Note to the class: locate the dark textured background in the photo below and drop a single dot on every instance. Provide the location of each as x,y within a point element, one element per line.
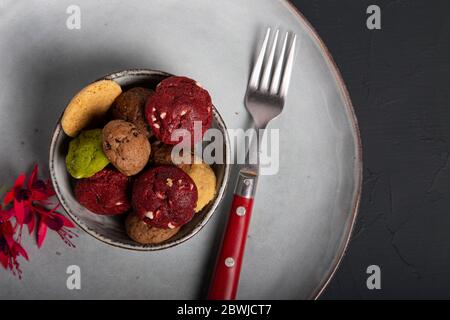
<point>399,81</point>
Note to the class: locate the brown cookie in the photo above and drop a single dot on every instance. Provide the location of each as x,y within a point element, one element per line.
<point>129,106</point>
<point>126,147</point>
<point>143,233</point>
<point>162,155</point>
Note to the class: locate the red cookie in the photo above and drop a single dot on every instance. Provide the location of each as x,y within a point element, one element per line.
<point>164,197</point>
<point>104,193</point>
<point>178,102</point>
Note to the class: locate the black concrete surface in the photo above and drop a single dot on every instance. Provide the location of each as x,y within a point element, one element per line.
<point>399,81</point>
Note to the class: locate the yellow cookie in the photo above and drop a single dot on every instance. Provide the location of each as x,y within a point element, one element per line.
<point>205,181</point>
<point>92,102</point>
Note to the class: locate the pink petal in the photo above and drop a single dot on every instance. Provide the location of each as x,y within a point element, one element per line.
<point>42,232</point>
<point>9,240</point>
<point>67,223</point>
<point>4,260</point>
<point>40,210</point>
<point>53,210</point>
<point>5,215</point>
<point>31,224</point>
<point>45,203</point>
<point>19,210</point>
<point>9,196</point>
<point>19,181</point>
<point>20,250</point>
<point>50,190</point>
<point>7,228</point>
<point>33,176</point>
<point>38,195</point>
<point>54,222</point>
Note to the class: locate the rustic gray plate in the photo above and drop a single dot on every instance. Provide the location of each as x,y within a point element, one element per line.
<point>302,217</point>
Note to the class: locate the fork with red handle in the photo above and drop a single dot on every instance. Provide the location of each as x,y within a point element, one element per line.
<point>266,93</point>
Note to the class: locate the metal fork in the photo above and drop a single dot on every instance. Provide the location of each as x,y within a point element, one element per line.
<point>264,100</point>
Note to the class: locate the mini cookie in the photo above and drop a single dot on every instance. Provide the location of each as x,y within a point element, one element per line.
<point>125,146</point>
<point>202,174</point>
<point>129,106</point>
<point>88,105</point>
<point>165,197</point>
<point>204,179</point>
<point>86,157</point>
<point>178,103</point>
<point>162,155</point>
<point>143,233</point>
<point>104,193</point>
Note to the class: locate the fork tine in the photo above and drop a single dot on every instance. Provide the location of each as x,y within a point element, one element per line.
<point>264,86</point>
<point>256,72</point>
<point>274,86</point>
<point>288,69</point>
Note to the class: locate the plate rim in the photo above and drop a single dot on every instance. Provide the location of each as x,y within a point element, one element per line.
<point>317,292</point>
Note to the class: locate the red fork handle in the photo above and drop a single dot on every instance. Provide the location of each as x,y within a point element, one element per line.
<point>225,279</point>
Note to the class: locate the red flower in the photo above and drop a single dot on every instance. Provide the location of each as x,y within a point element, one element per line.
<point>19,196</point>
<point>56,222</point>
<point>27,204</point>
<point>23,196</point>
<point>10,249</point>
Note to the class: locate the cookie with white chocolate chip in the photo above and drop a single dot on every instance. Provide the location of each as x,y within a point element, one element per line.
<point>164,197</point>
<point>202,174</point>
<point>179,103</point>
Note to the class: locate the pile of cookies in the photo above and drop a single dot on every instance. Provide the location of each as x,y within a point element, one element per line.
<point>120,154</point>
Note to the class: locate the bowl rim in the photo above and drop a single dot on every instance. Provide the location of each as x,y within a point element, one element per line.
<point>140,247</point>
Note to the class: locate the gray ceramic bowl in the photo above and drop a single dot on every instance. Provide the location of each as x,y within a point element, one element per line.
<point>111,230</point>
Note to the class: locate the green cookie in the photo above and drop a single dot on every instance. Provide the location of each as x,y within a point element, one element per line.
<point>86,157</point>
